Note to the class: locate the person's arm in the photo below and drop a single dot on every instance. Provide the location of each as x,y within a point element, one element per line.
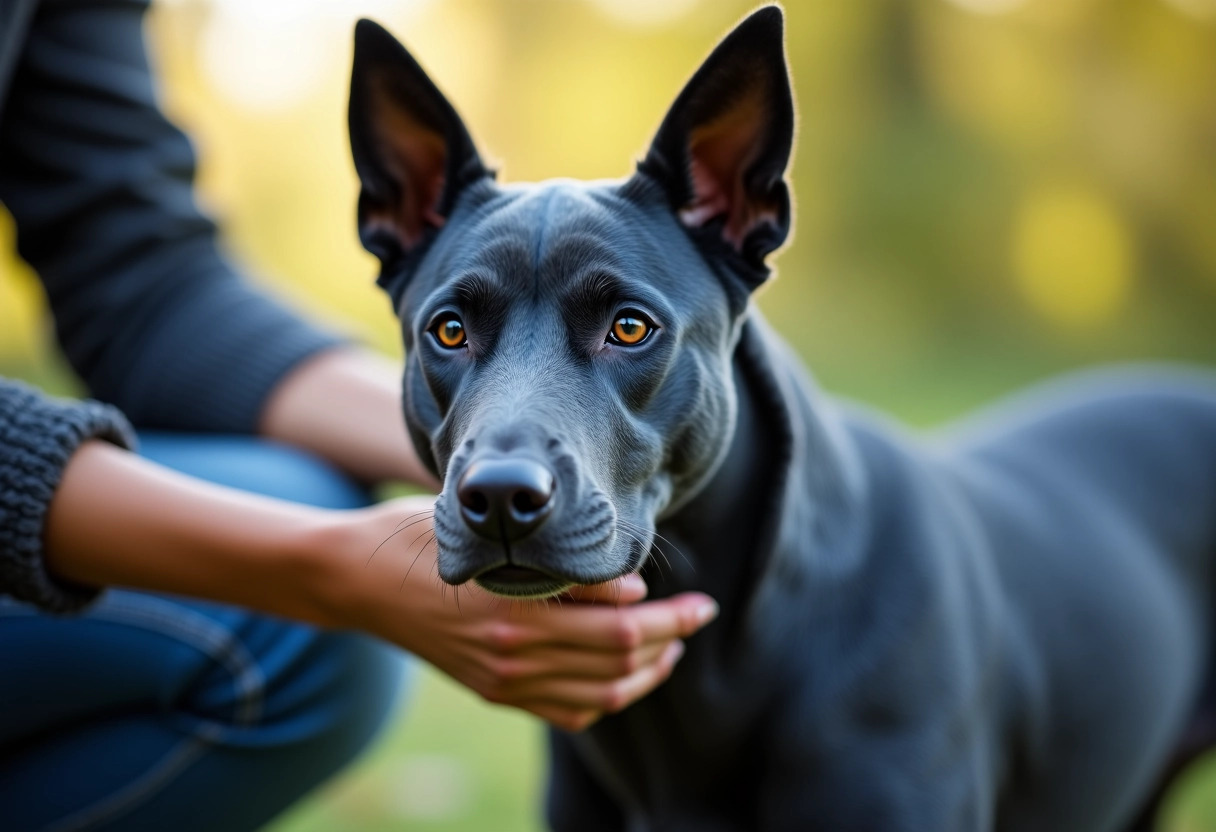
<point>38,436</point>
<point>147,311</point>
<point>100,184</point>
<point>345,405</point>
<point>117,519</point>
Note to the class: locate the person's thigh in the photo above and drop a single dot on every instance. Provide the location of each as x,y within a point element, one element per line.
<point>153,712</point>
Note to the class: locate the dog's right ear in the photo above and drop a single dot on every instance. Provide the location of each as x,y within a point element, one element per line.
<point>722,150</point>
<point>411,150</point>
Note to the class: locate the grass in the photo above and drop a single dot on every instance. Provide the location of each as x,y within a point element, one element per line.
<point>449,762</point>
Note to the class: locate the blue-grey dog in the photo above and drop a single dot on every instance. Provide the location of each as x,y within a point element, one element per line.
<point>1010,630</point>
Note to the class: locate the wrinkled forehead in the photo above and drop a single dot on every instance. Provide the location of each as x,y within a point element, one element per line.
<point>542,239</point>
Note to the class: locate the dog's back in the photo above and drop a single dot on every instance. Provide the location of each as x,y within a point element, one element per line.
<point>1098,498</point>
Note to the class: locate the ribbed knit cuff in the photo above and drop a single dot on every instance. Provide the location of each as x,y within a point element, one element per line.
<point>38,435</point>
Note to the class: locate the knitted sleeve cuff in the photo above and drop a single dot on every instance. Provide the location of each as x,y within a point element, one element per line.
<point>38,435</point>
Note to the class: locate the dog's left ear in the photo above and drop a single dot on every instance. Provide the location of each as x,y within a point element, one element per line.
<point>411,150</point>
<point>722,149</point>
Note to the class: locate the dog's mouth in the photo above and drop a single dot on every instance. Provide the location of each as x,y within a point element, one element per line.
<point>521,582</point>
<point>579,547</point>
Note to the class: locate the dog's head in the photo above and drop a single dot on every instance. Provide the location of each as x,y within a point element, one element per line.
<point>569,344</point>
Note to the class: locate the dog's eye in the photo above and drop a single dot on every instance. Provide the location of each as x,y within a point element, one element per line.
<point>449,332</point>
<point>630,328</point>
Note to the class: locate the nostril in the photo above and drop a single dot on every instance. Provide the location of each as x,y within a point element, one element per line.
<point>527,502</point>
<point>475,501</point>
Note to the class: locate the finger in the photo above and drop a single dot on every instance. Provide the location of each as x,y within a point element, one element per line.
<point>602,627</point>
<point>567,719</point>
<point>552,661</point>
<point>627,589</point>
<point>586,694</point>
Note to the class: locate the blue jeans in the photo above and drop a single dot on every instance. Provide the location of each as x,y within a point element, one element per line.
<point>151,712</point>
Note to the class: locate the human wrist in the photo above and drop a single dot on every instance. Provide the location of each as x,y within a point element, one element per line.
<point>366,437</point>
<point>360,570</point>
<point>317,557</point>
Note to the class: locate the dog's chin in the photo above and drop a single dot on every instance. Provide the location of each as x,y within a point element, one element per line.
<point>521,582</point>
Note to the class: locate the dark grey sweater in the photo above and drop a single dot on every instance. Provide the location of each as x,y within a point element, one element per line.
<point>148,313</point>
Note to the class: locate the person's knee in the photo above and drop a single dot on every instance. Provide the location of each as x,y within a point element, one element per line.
<point>324,697</point>
<point>320,715</point>
<point>362,682</point>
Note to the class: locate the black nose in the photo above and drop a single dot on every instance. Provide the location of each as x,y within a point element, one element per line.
<point>505,499</point>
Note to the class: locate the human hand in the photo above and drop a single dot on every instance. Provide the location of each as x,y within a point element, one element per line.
<point>568,660</point>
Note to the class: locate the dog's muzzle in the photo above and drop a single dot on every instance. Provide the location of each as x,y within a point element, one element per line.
<point>504,500</point>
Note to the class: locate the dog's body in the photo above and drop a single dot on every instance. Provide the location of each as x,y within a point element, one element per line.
<point>1009,630</point>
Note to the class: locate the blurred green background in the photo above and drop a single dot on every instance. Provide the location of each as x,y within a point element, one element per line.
<point>987,192</point>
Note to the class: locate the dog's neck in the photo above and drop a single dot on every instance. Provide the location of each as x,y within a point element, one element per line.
<point>791,471</point>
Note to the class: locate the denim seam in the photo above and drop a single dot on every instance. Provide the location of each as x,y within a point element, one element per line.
<point>215,641</point>
<point>173,763</point>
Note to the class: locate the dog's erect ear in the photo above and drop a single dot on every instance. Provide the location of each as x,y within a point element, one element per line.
<point>722,149</point>
<point>412,152</point>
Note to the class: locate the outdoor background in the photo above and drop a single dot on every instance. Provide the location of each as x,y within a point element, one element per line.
<point>988,192</point>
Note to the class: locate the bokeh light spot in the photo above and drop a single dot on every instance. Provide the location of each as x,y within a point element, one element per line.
<point>271,56</point>
<point>645,12</point>
<point>1200,9</point>
<point>988,6</point>
<point>430,787</point>
<point>1072,255</point>
<point>264,69</point>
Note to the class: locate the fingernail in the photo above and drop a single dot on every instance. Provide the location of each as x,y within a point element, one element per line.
<point>633,581</point>
<point>677,651</point>
<point>707,612</point>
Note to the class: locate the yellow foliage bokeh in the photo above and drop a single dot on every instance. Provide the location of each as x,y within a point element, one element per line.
<point>1073,255</point>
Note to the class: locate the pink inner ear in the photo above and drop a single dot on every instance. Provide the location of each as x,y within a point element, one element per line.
<point>719,154</point>
<point>416,157</point>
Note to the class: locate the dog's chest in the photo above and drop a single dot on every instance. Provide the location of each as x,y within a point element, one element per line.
<point>696,745</point>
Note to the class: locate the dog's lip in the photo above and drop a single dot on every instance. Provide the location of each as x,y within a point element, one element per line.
<point>511,573</point>
<point>521,581</point>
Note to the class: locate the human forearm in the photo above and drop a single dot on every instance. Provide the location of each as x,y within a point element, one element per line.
<point>345,405</point>
<point>119,520</point>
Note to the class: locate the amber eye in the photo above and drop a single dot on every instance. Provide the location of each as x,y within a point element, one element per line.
<point>449,332</point>
<point>630,329</point>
